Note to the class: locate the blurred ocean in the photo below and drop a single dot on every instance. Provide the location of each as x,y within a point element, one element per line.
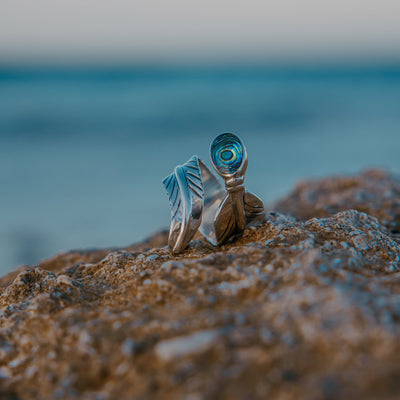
<point>83,150</point>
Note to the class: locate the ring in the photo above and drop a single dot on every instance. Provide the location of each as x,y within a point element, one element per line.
<point>200,202</point>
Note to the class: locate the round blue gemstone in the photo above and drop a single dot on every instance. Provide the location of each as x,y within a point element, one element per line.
<point>227,153</point>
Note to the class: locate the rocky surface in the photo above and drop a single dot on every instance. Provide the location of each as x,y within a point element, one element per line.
<point>304,306</point>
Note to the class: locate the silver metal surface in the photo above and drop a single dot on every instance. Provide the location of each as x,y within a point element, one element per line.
<point>200,202</point>
<point>185,191</point>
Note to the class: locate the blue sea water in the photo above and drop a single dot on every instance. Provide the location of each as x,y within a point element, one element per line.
<point>83,150</point>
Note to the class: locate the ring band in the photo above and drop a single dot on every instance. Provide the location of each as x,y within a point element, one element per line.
<point>200,202</point>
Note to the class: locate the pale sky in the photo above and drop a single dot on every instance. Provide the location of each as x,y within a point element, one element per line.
<point>211,29</point>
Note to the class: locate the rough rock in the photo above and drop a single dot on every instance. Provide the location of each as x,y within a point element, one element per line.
<point>306,305</point>
<point>374,192</point>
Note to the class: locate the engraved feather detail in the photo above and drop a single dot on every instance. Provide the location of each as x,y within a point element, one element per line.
<point>186,196</point>
<point>253,206</point>
<point>225,222</point>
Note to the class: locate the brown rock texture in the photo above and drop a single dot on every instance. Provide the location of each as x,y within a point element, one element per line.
<point>306,305</point>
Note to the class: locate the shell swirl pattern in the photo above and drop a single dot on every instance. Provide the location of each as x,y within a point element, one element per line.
<point>227,153</point>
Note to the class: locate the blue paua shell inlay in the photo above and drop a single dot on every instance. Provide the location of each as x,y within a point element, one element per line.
<point>227,153</point>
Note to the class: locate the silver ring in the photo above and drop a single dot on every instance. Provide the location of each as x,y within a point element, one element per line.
<point>200,202</point>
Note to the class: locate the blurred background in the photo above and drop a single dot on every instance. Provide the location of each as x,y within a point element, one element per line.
<point>100,100</point>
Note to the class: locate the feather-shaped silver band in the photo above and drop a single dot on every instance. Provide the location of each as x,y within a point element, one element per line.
<point>186,194</point>
<point>200,202</point>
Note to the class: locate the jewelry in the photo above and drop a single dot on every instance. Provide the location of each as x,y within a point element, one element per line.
<point>200,202</point>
